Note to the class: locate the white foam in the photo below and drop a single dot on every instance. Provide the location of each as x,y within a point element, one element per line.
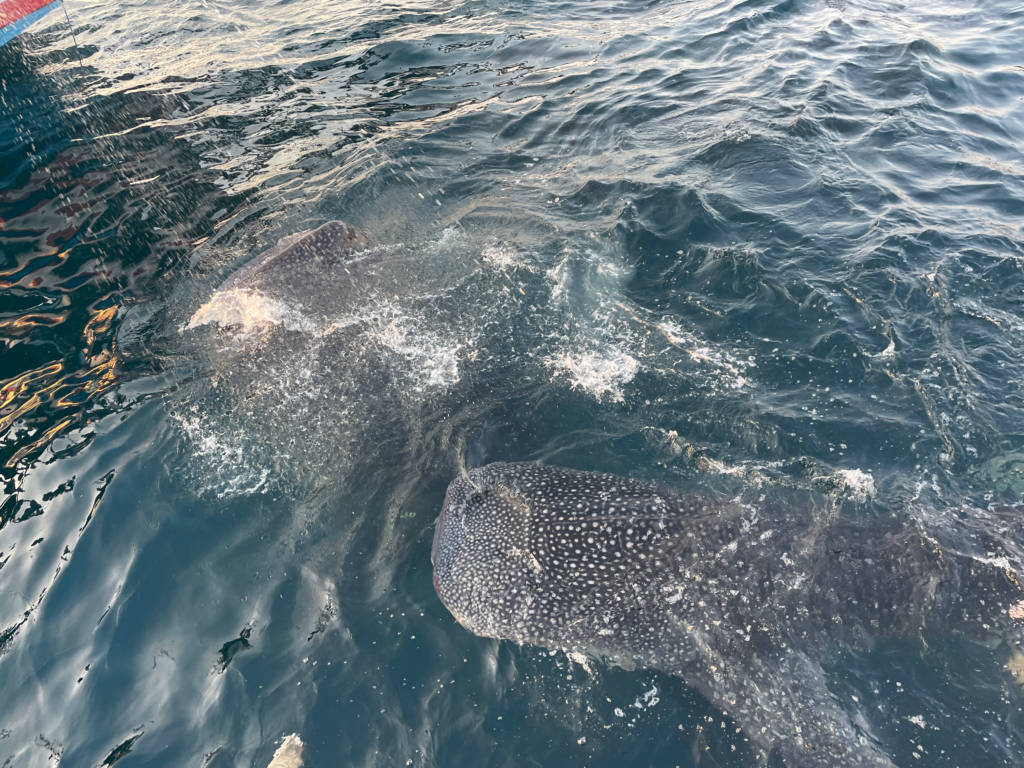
<point>598,373</point>
<point>1002,562</point>
<point>651,697</point>
<point>237,476</point>
<point>860,484</point>
<point>429,358</point>
<point>700,352</point>
<point>889,353</point>
<point>504,257</point>
<point>580,659</point>
<point>721,468</point>
<point>205,444</point>
<point>450,237</point>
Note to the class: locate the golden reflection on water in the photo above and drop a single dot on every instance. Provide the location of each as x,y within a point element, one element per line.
<point>83,235</point>
<point>34,390</point>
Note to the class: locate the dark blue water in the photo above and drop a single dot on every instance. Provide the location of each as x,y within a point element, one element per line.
<point>742,247</point>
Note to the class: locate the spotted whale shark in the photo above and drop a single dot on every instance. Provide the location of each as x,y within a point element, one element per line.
<point>739,600</point>
<point>328,245</point>
<point>306,277</point>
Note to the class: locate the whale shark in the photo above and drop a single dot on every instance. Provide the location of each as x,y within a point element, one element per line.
<point>333,348</point>
<point>302,279</point>
<point>739,600</point>
<point>330,244</point>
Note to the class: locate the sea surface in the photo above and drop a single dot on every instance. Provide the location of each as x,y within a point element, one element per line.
<point>768,246</point>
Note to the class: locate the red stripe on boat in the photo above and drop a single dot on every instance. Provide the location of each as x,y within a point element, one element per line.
<point>12,10</point>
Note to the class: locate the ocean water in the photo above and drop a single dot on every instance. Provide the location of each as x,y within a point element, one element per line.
<point>734,247</point>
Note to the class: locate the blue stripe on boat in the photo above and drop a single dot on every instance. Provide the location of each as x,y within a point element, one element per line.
<point>16,27</point>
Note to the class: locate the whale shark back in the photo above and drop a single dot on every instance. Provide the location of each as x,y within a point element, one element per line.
<point>738,600</point>
<point>300,257</point>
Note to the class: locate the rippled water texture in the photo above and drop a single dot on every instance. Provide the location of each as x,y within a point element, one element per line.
<point>746,248</point>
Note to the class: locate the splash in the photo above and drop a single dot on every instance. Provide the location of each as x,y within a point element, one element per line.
<point>428,358</point>
<point>237,476</point>
<point>601,373</point>
<point>318,380</point>
<point>730,365</point>
<point>248,312</point>
<point>860,485</point>
<point>504,257</point>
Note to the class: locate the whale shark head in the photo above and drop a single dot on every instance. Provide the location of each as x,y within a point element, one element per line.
<point>484,572</point>
<point>738,599</point>
<point>556,557</point>
<point>337,237</point>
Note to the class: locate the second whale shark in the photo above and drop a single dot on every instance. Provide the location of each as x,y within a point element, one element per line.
<point>738,600</point>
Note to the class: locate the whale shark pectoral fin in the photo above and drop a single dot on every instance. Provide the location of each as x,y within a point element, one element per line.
<point>781,701</point>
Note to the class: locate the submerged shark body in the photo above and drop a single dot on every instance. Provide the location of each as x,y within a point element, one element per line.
<point>331,350</point>
<point>740,602</point>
